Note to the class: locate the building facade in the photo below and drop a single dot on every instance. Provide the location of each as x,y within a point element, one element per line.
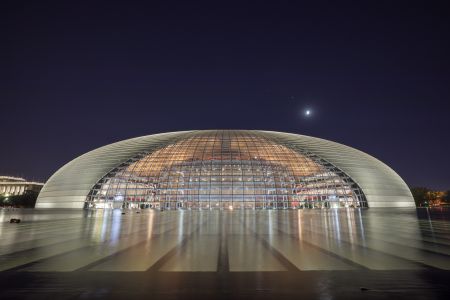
<point>12,186</point>
<point>225,169</point>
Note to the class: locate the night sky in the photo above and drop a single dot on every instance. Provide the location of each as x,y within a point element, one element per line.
<point>81,74</point>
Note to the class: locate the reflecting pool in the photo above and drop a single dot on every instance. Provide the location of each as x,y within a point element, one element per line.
<point>384,250</point>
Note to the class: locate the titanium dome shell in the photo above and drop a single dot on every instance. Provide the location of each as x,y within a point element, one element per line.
<point>224,169</point>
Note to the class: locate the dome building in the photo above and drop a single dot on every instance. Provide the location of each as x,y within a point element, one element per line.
<point>225,169</point>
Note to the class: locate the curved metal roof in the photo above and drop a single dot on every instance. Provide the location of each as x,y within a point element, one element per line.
<point>70,185</point>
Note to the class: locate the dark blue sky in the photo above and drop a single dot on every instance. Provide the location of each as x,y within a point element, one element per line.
<point>78,75</point>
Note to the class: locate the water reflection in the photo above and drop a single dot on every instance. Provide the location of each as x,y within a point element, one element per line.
<point>115,226</point>
<point>248,240</point>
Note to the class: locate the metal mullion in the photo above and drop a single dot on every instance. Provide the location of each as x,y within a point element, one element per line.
<point>256,140</point>
<point>190,162</point>
<point>271,165</point>
<point>163,156</point>
<point>200,166</point>
<point>245,142</point>
<point>211,168</point>
<point>187,143</point>
<point>236,136</point>
<point>291,171</point>
<point>138,173</point>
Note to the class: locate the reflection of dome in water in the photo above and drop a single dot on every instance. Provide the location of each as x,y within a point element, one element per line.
<point>231,169</point>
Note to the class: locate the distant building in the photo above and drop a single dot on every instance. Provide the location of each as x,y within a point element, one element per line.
<point>17,186</point>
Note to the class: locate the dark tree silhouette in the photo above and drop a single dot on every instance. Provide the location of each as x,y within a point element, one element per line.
<point>421,195</point>
<point>27,199</point>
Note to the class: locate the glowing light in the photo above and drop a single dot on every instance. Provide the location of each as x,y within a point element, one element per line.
<point>308,112</point>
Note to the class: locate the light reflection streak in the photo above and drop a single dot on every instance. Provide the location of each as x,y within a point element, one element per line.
<point>2,219</point>
<point>300,229</point>
<point>430,223</point>
<point>105,220</point>
<point>150,221</point>
<point>115,226</point>
<point>337,224</point>
<point>271,216</point>
<point>326,220</point>
<point>361,226</point>
<point>350,223</point>
<point>181,226</point>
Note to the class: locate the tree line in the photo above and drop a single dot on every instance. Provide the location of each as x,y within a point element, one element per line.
<point>425,197</point>
<point>26,200</point>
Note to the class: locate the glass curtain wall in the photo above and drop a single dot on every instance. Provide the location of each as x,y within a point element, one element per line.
<point>225,170</point>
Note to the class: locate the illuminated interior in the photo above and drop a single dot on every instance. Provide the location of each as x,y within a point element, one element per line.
<point>225,170</point>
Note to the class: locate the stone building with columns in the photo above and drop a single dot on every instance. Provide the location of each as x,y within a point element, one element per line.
<point>17,186</point>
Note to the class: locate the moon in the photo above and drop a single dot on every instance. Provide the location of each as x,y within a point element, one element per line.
<point>307,112</point>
